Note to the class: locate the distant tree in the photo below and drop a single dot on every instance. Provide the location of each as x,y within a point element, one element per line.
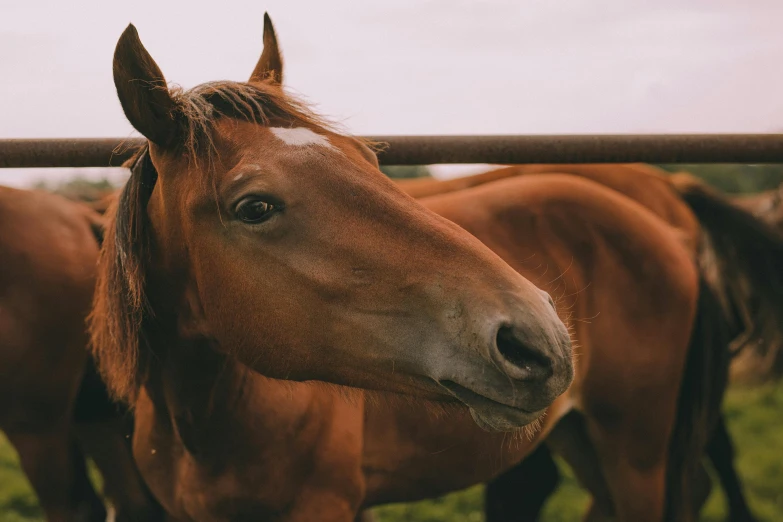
<point>406,171</point>
<point>734,178</point>
<point>78,188</point>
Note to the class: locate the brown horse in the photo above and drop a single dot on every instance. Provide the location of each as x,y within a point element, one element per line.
<point>740,259</point>
<point>486,320</point>
<point>51,408</point>
<point>252,238</point>
<point>644,184</point>
<point>315,226</point>
<point>652,189</point>
<point>390,475</point>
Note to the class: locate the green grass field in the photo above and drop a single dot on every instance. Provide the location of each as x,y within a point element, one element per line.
<point>755,419</point>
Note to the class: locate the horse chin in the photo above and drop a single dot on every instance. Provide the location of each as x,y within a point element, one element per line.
<point>511,420</point>
<point>491,415</point>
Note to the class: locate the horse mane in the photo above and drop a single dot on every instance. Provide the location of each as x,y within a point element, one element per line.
<point>120,321</point>
<point>120,304</point>
<point>198,109</point>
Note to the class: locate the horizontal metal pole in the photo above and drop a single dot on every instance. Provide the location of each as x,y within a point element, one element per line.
<point>423,150</point>
<point>75,152</point>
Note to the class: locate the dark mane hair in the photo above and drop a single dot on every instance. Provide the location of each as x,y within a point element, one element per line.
<point>746,254</point>
<point>120,303</point>
<point>121,312</point>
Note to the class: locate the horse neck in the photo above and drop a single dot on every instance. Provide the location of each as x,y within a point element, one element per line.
<point>216,403</point>
<point>211,397</point>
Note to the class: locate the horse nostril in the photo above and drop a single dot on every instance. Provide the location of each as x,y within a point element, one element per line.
<point>534,365</point>
<point>549,299</point>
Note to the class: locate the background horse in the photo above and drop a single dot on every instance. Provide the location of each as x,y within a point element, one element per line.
<point>756,255</point>
<point>737,255</point>
<point>52,407</point>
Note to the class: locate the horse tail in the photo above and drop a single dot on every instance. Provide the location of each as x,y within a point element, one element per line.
<point>745,256</point>
<point>699,402</point>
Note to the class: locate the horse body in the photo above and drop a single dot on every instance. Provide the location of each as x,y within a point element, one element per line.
<point>49,411</point>
<point>721,264</point>
<point>48,254</point>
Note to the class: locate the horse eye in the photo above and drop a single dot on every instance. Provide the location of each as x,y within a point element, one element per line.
<point>254,210</point>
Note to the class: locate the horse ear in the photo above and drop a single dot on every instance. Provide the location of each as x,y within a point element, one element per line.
<point>142,90</point>
<point>270,65</point>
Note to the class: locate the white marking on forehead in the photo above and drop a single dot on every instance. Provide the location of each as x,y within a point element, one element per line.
<point>301,137</point>
<point>239,176</point>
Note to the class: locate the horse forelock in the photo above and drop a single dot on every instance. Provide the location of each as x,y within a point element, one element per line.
<point>200,108</point>
<point>262,103</point>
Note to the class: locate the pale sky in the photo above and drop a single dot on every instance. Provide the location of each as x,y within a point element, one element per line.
<point>416,66</point>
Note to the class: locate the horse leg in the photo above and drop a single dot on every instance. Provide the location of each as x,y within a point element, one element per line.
<point>519,494</point>
<point>122,483</point>
<point>634,458</point>
<point>721,453</point>
<point>702,487</point>
<point>57,471</point>
<point>570,440</point>
<point>105,434</point>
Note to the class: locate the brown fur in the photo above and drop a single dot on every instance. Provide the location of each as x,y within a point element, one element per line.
<point>436,425</point>
<point>738,261</point>
<point>644,184</point>
<point>200,118</point>
<point>118,332</point>
<point>216,440</point>
<point>48,254</point>
<point>702,388</point>
<point>653,189</point>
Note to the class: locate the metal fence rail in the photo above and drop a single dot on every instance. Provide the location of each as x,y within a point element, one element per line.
<point>422,150</point>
